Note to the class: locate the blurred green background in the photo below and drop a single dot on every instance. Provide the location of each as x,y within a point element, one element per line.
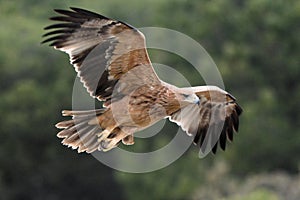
<point>256,46</point>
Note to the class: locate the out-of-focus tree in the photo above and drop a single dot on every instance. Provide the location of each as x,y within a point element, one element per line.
<point>255,45</point>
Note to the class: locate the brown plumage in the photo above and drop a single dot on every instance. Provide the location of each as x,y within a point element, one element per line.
<point>112,62</point>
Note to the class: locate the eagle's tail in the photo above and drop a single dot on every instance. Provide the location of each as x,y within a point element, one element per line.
<point>90,130</point>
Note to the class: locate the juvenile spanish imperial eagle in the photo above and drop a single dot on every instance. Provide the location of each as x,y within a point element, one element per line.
<point>112,62</point>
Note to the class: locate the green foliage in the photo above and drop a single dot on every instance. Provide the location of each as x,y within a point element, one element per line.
<point>255,45</point>
<point>258,195</point>
<point>218,183</point>
<point>176,181</point>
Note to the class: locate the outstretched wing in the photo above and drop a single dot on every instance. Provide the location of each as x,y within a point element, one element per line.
<point>213,120</point>
<point>102,50</point>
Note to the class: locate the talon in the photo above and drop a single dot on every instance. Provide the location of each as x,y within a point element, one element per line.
<point>128,140</point>
<point>100,148</point>
<point>104,144</point>
<point>103,135</point>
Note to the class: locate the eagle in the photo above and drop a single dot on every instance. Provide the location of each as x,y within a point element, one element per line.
<point>111,60</point>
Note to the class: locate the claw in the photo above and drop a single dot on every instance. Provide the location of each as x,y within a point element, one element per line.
<point>128,140</point>
<point>104,134</point>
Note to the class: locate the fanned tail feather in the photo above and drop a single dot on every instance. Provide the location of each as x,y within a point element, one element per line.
<point>77,133</point>
<point>89,131</point>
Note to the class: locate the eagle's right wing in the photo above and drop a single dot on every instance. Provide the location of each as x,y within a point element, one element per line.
<point>108,55</point>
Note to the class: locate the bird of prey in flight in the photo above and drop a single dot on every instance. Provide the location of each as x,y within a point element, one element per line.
<point>111,59</point>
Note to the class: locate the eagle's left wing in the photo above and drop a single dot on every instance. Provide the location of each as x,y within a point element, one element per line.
<point>213,120</point>
<point>108,55</point>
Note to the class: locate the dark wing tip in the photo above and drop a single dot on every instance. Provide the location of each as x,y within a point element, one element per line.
<point>235,116</point>
<point>78,12</point>
<point>214,149</point>
<point>88,13</point>
<point>61,11</point>
<point>69,21</point>
<point>62,25</point>
<point>55,38</point>
<point>231,125</point>
<point>223,140</point>
<point>94,15</point>
<point>238,109</point>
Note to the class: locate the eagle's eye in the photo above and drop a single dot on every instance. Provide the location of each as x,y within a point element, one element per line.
<point>185,95</point>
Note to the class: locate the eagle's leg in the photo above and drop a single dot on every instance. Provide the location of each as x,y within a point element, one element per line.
<point>113,139</point>
<point>106,122</point>
<point>104,134</point>
<point>128,140</point>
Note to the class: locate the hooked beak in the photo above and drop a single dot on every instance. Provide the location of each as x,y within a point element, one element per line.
<point>194,99</point>
<point>197,100</point>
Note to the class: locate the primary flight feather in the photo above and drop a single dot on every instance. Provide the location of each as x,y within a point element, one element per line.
<point>111,59</point>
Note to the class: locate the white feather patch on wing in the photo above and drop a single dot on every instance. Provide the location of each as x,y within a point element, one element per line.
<point>187,118</point>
